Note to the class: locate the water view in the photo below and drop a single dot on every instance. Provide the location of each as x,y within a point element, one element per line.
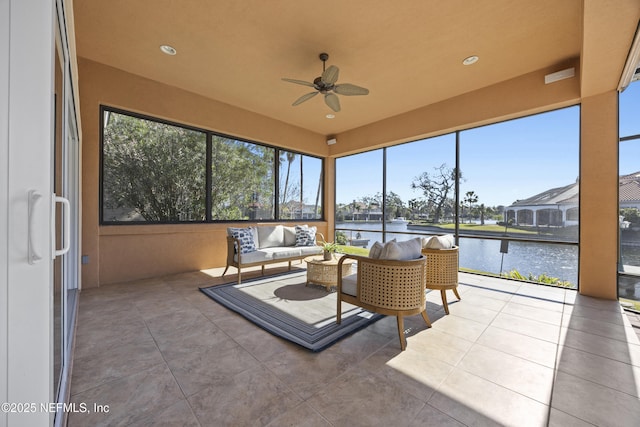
<point>483,255</point>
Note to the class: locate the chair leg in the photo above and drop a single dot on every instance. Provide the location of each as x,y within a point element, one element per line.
<point>444,300</point>
<point>262,269</point>
<point>426,318</point>
<point>455,291</point>
<point>339,311</point>
<point>225,270</point>
<point>403,341</point>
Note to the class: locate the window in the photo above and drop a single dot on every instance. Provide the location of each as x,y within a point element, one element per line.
<point>300,187</point>
<point>152,171</point>
<point>242,180</point>
<point>159,172</point>
<point>508,191</point>
<point>629,197</point>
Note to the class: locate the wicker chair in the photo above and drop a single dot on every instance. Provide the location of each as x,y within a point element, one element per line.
<point>395,288</point>
<point>442,272</point>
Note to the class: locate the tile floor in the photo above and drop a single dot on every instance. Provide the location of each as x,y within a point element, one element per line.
<point>158,352</point>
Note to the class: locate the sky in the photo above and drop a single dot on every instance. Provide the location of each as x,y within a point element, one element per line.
<point>501,163</point>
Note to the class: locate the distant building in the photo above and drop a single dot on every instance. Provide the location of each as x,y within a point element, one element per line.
<point>558,207</point>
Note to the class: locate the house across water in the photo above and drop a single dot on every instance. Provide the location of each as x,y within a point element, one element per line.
<point>558,207</point>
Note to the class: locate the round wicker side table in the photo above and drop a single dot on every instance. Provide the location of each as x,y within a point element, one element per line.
<point>325,273</point>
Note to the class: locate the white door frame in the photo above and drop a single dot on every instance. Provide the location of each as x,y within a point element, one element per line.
<point>26,141</point>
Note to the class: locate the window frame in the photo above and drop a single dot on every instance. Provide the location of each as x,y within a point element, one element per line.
<point>208,177</point>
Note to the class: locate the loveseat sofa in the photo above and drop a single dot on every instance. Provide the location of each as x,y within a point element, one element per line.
<point>268,244</point>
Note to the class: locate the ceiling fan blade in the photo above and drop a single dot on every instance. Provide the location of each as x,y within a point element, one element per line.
<point>304,98</point>
<point>330,75</point>
<point>299,82</point>
<point>331,99</point>
<point>349,90</point>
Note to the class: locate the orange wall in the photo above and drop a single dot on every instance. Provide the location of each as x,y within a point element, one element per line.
<point>599,226</point>
<point>513,98</point>
<point>123,253</point>
<point>120,253</point>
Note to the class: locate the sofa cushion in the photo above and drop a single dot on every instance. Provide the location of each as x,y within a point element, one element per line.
<point>289,236</point>
<point>350,285</point>
<point>445,241</point>
<point>305,235</point>
<point>403,251</point>
<point>245,236</point>
<point>270,236</point>
<point>310,250</point>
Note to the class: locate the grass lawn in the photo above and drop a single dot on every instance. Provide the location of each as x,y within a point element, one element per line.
<point>478,227</point>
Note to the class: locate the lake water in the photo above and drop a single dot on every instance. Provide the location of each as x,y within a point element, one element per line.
<point>555,260</point>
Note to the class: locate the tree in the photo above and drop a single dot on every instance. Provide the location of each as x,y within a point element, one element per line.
<point>436,187</point>
<point>157,172</point>
<point>242,180</point>
<point>470,198</point>
<point>153,169</point>
<point>394,206</point>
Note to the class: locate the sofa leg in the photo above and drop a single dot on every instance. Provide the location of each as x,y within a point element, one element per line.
<point>262,269</point>
<point>239,277</point>
<point>289,265</point>
<point>403,341</point>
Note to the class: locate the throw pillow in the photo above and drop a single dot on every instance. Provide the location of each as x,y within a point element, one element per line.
<point>245,235</point>
<point>270,236</point>
<point>403,251</point>
<point>289,236</point>
<point>445,241</point>
<point>376,250</point>
<point>305,235</point>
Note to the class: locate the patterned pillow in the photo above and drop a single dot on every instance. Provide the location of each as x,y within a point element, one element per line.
<point>305,235</point>
<point>245,235</point>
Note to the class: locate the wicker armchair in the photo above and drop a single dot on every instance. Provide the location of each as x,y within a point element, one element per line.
<point>395,288</point>
<point>442,272</point>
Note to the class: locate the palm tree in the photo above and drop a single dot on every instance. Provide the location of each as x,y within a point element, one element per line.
<point>290,158</point>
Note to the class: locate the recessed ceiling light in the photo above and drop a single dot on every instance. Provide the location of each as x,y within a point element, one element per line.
<point>470,60</point>
<point>330,116</point>
<point>169,50</point>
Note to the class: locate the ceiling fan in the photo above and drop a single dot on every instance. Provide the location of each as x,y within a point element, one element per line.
<point>326,85</point>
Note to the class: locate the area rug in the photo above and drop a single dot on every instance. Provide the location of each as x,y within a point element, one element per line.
<point>288,308</point>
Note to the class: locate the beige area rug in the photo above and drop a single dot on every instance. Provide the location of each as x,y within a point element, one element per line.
<point>286,307</point>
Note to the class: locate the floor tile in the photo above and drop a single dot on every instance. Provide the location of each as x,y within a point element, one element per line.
<point>605,405</point>
<point>361,399</point>
<point>601,370</point>
<point>431,417</point>
<point>130,399</point>
<point>517,374</point>
<point>113,363</point>
<point>476,401</point>
<point>160,352</point>
<point>460,327</point>
<point>252,397</point>
<point>412,370</point>
<point>602,346</point>
<point>532,328</point>
<point>523,346</point>
<point>533,313</point>
<point>302,415</point>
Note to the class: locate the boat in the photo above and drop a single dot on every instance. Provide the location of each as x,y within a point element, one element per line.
<point>400,220</point>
